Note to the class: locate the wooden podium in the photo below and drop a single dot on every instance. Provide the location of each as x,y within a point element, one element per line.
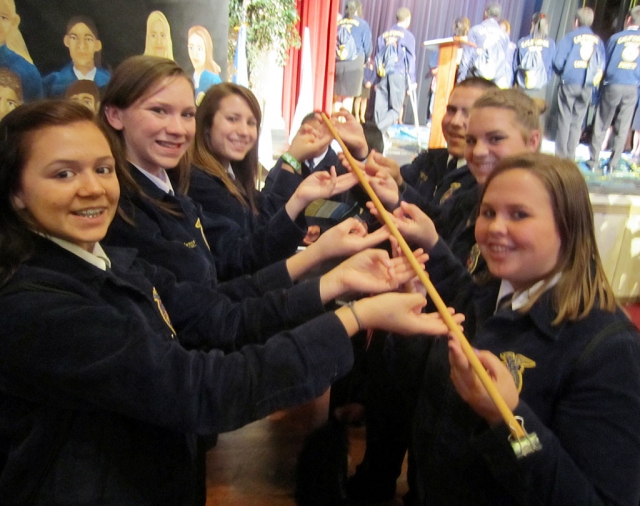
<point>447,62</point>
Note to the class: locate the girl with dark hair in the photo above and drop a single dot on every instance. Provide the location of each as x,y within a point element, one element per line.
<point>109,368</point>
<point>225,174</point>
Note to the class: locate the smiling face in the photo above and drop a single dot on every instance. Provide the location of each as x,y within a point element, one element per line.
<point>197,52</point>
<point>83,45</point>
<point>159,127</point>
<point>516,229</point>
<point>492,134</point>
<point>456,117</point>
<point>234,130</point>
<point>68,187</point>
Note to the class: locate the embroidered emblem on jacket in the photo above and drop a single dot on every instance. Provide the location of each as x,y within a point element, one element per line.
<point>201,228</point>
<point>447,195</point>
<point>163,311</point>
<point>516,364</point>
<point>472,259</point>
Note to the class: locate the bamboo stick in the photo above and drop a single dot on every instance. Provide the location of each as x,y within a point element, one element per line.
<point>511,421</point>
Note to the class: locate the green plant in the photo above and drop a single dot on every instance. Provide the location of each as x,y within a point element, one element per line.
<point>271,25</point>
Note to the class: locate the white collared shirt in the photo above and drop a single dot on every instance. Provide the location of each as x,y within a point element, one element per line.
<point>97,257</point>
<point>89,76</point>
<point>318,159</point>
<point>460,163</point>
<point>161,182</point>
<point>521,299</point>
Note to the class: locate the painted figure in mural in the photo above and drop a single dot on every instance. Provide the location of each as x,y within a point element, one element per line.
<point>10,91</point>
<point>158,41</point>
<point>205,70</point>
<point>86,93</point>
<point>25,70</point>
<point>83,41</point>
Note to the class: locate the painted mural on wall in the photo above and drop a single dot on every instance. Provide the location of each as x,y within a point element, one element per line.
<point>68,48</point>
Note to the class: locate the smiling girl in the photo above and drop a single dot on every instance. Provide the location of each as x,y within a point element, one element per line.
<point>225,175</point>
<point>109,369</point>
<point>561,353</point>
<point>148,112</point>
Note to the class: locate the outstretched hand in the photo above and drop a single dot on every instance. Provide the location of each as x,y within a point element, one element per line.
<point>347,238</point>
<point>310,141</point>
<point>472,391</point>
<point>401,314</point>
<point>319,185</point>
<point>350,131</point>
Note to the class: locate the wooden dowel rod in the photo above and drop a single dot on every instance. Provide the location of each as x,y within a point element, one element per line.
<point>485,379</point>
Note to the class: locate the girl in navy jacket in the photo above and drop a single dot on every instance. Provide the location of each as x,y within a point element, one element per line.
<point>560,351</point>
<point>109,368</point>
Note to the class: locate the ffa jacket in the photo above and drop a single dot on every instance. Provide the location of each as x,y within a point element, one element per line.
<point>106,377</point>
<point>361,33</point>
<point>547,48</point>
<point>435,187</point>
<point>623,58</point>
<point>579,388</point>
<point>271,233</point>
<point>406,43</point>
<point>573,53</point>
<point>178,243</point>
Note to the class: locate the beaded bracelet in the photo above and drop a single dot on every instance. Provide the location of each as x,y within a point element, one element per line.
<point>295,164</point>
<point>350,304</point>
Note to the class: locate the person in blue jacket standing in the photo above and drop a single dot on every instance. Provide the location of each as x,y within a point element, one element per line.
<point>579,62</point>
<point>487,54</point>
<point>392,87</point>
<point>619,91</point>
<point>530,78</point>
<point>353,49</point>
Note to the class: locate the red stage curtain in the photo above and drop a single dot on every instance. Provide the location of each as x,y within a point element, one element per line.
<point>321,19</point>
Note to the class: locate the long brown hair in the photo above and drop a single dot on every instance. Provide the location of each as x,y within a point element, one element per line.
<point>246,170</point>
<point>17,129</point>
<point>583,282</point>
<point>134,78</point>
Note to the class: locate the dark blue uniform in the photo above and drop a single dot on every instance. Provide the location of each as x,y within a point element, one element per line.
<point>485,36</point>
<point>107,377</point>
<point>349,73</point>
<point>271,233</point>
<point>573,55</point>
<point>579,388</point>
<point>391,89</point>
<point>434,184</point>
<point>349,198</point>
<point>619,94</point>
<point>547,49</point>
<point>177,241</point>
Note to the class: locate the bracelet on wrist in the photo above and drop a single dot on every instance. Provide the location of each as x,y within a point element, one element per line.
<point>350,305</point>
<point>290,160</point>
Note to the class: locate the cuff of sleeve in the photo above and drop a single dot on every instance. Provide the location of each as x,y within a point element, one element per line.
<point>274,277</point>
<point>304,300</point>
